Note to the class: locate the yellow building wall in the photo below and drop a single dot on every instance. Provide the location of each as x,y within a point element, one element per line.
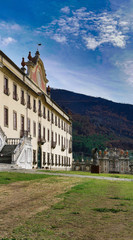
<point>14,105</point>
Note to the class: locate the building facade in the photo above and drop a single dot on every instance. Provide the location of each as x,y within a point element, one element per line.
<point>34,130</point>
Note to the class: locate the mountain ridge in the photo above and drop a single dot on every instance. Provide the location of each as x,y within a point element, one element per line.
<point>96,118</point>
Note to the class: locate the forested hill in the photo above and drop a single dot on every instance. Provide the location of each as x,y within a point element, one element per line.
<point>97,122</point>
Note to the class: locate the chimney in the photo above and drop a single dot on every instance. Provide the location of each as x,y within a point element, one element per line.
<point>48,91</point>
<point>23,64</point>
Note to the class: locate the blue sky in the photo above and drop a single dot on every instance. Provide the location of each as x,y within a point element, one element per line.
<point>87,46</point>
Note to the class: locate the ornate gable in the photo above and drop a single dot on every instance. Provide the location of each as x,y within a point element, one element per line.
<point>36,71</point>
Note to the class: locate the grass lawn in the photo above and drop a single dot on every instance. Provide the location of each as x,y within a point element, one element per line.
<point>91,174</point>
<point>10,177</point>
<point>68,208</point>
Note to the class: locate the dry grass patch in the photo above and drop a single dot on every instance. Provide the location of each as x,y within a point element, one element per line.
<point>20,201</point>
<point>73,208</point>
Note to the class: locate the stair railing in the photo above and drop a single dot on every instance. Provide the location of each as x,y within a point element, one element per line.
<point>3,138</point>
<point>18,149</point>
<point>2,133</point>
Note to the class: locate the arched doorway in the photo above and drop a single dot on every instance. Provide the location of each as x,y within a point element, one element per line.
<point>39,157</point>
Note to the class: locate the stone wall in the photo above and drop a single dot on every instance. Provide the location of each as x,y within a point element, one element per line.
<point>110,161</point>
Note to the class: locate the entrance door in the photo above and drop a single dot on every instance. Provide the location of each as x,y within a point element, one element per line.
<point>39,157</point>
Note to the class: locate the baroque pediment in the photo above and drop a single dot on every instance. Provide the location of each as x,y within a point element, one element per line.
<point>36,71</point>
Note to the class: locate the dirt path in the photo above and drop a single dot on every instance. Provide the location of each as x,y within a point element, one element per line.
<point>20,200</point>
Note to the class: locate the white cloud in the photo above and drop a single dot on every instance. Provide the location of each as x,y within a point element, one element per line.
<point>59,38</point>
<point>7,41</point>
<point>10,26</point>
<point>127,67</point>
<point>16,27</point>
<point>91,28</point>
<point>123,23</point>
<point>91,43</point>
<point>65,10</point>
<point>61,77</point>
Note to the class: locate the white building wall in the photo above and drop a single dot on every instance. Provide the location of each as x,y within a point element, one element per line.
<point>20,109</point>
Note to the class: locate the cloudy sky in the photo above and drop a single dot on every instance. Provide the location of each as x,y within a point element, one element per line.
<point>87,45</point>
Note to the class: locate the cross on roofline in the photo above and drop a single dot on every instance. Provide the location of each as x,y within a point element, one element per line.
<point>39,44</point>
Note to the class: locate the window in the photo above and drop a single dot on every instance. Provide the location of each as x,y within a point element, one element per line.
<point>66,143</point>
<point>28,125</point>
<point>22,122</point>
<point>48,158</point>
<point>6,89</point>
<point>44,133</point>
<point>22,126</point>
<point>44,112</point>
<point>59,139</point>
<point>66,128</point>
<point>62,160</point>
<point>48,115</point>
<point>34,105</point>
<point>22,98</point>
<point>55,120</point>
<point>59,160</point>
<point>28,101</point>
<point>52,136</point>
<point>5,116</point>
<point>15,95</point>
<point>55,159</point>
<point>52,118</point>
<point>52,159</point>
<point>69,162</point>
<point>58,122</point>
<point>34,129</point>
<point>48,137</point>
<point>62,124</point>
<point>70,130</point>
<point>39,109</point>
<point>39,130</point>
<point>44,158</point>
<point>65,163</point>
<point>14,120</point>
<point>34,157</point>
<point>56,137</point>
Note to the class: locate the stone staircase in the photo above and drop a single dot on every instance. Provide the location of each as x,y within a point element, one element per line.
<point>15,152</point>
<point>6,154</point>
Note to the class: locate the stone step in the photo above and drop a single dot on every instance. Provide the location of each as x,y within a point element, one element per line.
<point>7,167</point>
<point>6,154</point>
<point>8,149</point>
<point>6,159</point>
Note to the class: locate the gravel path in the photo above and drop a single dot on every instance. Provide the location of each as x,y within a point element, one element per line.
<point>8,168</point>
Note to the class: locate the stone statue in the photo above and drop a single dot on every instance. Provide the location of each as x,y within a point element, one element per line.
<point>95,157</point>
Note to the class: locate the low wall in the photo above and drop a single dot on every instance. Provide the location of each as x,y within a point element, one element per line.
<point>81,166</point>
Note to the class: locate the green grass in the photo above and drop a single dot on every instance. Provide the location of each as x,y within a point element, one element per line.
<point>129,176</point>
<point>9,177</point>
<point>10,239</point>
<point>113,210</point>
<point>87,209</point>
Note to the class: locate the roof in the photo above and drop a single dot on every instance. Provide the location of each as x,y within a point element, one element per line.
<point>34,60</point>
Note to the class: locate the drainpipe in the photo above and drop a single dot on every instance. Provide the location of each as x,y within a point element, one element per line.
<point>66,149</point>
<point>50,138</point>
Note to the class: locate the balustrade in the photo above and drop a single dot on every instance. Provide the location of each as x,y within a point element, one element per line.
<point>13,141</point>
